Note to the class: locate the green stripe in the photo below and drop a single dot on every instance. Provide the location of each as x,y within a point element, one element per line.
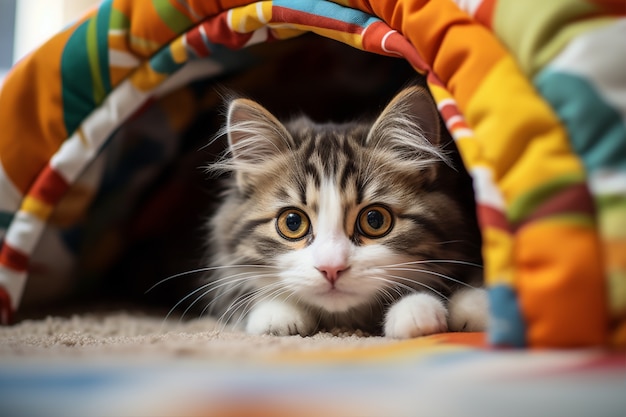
<point>574,219</point>
<point>527,203</point>
<point>614,201</point>
<point>596,130</point>
<point>611,215</point>
<point>118,20</point>
<point>617,293</point>
<point>76,79</point>
<point>171,16</point>
<point>94,62</point>
<point>5,219</point>
<point>102,35</point>
<point>536,30</point>
<point>85,67</point>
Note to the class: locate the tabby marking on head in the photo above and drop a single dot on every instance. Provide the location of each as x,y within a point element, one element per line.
<point>347,225</point>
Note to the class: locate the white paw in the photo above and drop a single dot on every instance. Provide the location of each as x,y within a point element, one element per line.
<point>469,310</point>
<point>415,315</point>
<point>280,319</point>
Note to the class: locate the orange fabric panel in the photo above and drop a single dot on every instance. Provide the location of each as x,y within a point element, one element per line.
<point>37,93</point>
<point>145,24</point>
<point>446,39</point>
<point>557,306</point>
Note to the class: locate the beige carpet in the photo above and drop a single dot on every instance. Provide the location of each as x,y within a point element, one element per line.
<point>116,363</point>
<point>121,333</point>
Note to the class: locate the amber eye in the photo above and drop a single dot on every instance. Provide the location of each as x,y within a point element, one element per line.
<point>375,221</point>
<point>292,224</point>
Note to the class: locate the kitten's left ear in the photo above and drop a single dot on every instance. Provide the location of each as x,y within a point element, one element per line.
<point>413,105</point>
<point>409,127</point>
<point>412,108</point>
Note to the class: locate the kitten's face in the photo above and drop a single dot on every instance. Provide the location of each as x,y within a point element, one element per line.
<point>345,215</point>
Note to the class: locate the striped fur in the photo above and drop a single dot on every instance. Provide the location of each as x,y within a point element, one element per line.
<point>336,274</point>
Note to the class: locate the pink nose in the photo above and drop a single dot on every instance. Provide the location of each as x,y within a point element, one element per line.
<point>331,272</point>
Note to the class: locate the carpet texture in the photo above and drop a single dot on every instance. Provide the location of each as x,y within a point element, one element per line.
<point>118,363</point>
<point>130,333</point>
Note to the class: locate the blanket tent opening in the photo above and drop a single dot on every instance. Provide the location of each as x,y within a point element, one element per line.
<point>104,130</point>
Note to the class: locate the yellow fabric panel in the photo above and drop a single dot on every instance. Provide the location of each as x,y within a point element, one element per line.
<point>250,18</point>
<point>498,251</point>
<point>179,52</point>
<point>523,141</point>
<point>36,207</point>
<point>145,78</point>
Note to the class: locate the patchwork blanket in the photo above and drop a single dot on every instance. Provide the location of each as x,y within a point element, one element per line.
<point>533,93</point>
<point>440,375</point>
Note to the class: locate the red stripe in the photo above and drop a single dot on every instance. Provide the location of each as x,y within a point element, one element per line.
<point>434,80</point>
<point>373,38</point>
<point>449,111</point>
<point>13,259</point>
<point>285,15</point>
<point>6,310</point>
<point>489,216</point>
<point>395,44</point>
<point>614,7</point>
<point>194,40</point>
<point>460,124</point>
<point>218,31</point>
<point>485,12</point>
<point>574,199</point>
<point>49,187</point>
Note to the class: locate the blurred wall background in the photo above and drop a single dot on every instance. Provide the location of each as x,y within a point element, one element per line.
<point>25,24</point>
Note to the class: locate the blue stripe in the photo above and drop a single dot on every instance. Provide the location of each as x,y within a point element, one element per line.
<point>207,42</point>
<point>329,10</point>
<point>163,62</point>
<point>506,327</point>
<point>596,130</point>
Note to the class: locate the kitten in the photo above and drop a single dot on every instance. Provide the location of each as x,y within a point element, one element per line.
<point>343,225</point>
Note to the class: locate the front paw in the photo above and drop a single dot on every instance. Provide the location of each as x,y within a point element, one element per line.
<point>469,311</point>
<point>415,315</point>
<point>280,319</point>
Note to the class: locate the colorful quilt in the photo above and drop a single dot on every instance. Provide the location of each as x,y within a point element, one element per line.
<point>438,375</point>
<point>533,93</point>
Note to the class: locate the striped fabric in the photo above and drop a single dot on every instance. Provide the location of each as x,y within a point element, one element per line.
<point>438,375</point>
<point>533,94</point>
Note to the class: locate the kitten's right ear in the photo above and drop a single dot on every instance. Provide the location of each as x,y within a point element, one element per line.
<point>254,132</point>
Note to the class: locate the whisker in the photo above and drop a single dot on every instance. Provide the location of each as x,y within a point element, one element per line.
<point>446,242</point>
<point>418,283</point>
<point>210,283</point>
<point>244,303</point>
<point>260,297</point>
<point>395,284</point>
<point>246,298</point>
<point>226,281</point>
<point>438,274</point>
<point>434,261</point>
<point>205,269</point>
<point>386,295</point>
<point>232,308</point>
